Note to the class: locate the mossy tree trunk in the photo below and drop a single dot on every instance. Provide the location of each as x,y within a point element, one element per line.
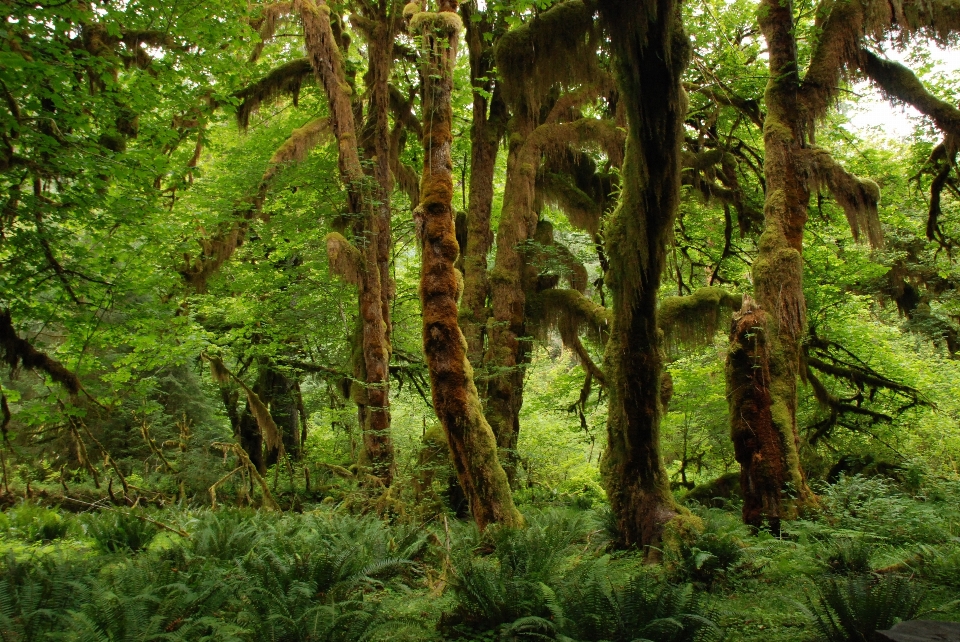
<point>507,352</point>
<point>650,53</point>
<point>488,126</point>
<point>367,201</point>
<point>456,402</point>
<point>764,409</point>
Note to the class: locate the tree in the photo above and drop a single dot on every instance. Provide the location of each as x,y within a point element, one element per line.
<point>455,399</point>
<point>650,54</point>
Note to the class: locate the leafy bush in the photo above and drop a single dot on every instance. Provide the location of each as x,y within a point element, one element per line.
<point>117,531</point>
<point>874,505</point>
<point>850,610</point>
<point>513,581</point>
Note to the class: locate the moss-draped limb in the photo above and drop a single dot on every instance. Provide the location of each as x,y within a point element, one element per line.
<point>326,59</point>
<point>18,352</point>
<point>472,444</point>
<point>285,79</point>
<point>489,116</point>
<point>650,53</point>
<point>859,197</point>
<point>218,248</point>
<point>901,84</point>
<point>695,318</point>
<point>557,47</point>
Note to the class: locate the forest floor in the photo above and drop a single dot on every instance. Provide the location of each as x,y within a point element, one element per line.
<point>871,554</point>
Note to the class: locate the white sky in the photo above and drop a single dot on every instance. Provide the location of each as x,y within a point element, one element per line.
<point>871,114</point>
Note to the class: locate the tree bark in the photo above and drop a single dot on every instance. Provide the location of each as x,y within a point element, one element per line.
<point>489,124</point>
<point>507,352</point>
<point>456,402</point>
<point>374,292</point>
<point>650,53</point>
<point>764,409</point>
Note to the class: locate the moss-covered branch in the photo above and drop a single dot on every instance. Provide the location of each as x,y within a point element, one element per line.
<point>555,47</point>
<point>287,79</point>
<point>695,319</point>
<point>859,197</point>
<point>18,352</point>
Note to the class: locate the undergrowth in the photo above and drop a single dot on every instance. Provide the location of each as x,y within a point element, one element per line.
<point>240,574</point>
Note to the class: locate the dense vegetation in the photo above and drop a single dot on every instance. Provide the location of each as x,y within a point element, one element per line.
<point>539,319</point>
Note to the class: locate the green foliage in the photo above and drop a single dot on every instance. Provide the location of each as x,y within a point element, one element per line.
<point>851,610</point>
<point>119,531</point>
<point>713,555</point>
<point>848,556</point>
<point>37,524</point>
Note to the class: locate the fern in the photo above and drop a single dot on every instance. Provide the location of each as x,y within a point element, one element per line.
<point>851,610</point>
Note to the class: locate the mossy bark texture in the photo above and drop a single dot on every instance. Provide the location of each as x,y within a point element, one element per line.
<point>507,352</point>
<point>651,52</point>
<point>489,124</point>
<point>764,357</point>
<point>455,399</point>
<point>366,197</point>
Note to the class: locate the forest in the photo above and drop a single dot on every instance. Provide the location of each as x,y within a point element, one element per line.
<point>574,320</point>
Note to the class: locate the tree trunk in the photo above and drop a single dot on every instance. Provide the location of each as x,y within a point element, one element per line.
<point>324,54</point>
<point>650,54</point>
<point>455,398</point>
<point>485,134</point>
<point>763,409</point>
<point>506,350</point>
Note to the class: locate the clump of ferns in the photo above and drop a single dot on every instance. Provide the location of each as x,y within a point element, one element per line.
<point>851,609</point>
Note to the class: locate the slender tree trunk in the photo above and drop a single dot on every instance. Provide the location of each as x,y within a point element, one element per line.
<point>506,350</point>
<point>457,404</point>
<point>486,131</point>
<point>764,409</point>
<point>324,54</point>
<point>650,54</point>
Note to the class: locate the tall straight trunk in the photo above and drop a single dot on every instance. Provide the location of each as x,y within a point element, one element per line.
<point>650,53</point>
<point>507,351</point>
<point>455,399</point>
<point>763,410</point>
<point>324,54</point>
<point>489,123</point>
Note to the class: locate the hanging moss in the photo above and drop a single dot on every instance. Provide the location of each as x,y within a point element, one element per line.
<point>858,197</point>
<point>286,79</point>
<point>555,47</point>
<point>695,319</point>
<point>346,261</point>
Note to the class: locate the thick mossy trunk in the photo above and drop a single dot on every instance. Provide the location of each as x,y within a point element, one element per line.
<point>758,445</point>
<point>455,399</point>
<point>368,207</point>
<point>769,458</point>
<point>489,122</point>
<point>650,54</point>
<point>507,352</point>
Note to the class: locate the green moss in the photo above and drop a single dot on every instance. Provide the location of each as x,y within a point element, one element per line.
<point>695,319</point>
<point>443,23</point>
